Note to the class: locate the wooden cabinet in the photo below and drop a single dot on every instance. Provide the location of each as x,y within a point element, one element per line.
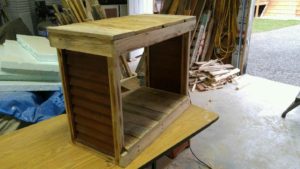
<point>100,117</point>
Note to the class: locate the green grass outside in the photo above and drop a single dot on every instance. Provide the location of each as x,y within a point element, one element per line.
<point>262,25</point>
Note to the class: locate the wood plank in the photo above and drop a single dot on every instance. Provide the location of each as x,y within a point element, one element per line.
<point>154,37</point>
<point>174,7</point>
<point>135,130</point>
<point>152,133</point>
<point>169,51</point>
<point>207,39</point>
<point>130,141</point>
<point>102,137</point>
<point>181,7</point>
<point>198,13</point>
<point>126,66</point>
<point>89,95</point>
<point>116,105</point>
<point>166,6</point>
<point>93,106</point>
<point>93,115</point>
<point>87,74</point>
<point>102,44</point>
<point>193,6</point>
<point>62,59</point>
<point>105,129</point>
<point>89,85</point>
<point>102,147</point>
<point>74,10</point>
<point>154,99</point>
<point>149,113</point>
<point>185,59</point>
<point>138,119</point>
<point>122,27</point>
<point>87,61</point>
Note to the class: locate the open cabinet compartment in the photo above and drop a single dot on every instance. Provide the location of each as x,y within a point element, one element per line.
<point>100,117</point>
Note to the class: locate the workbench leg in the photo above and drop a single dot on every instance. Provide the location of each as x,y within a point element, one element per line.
<point>153,165</point>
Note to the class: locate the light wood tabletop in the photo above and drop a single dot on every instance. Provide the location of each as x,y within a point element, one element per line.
<point>48,144</point>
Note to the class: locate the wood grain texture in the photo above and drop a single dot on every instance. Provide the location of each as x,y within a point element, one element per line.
<point>166,76</point>
<point>185,59</point>
<point>121,27</point>
<point>49,145</point>
<point>100,37</point>
<point>153,37</point>
<point>89,100</point>
<point>143,130</point>
<point>116,105</point>
<point>66,91</point>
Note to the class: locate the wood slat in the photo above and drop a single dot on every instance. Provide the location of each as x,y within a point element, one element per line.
<point>89,85</point>
<point>89,105</point>
<point>138,119</point>
<point>130,141</point>
<point>135,130</point>
<point>88,61</point>
<point>88,74</point>
<point>122,27</point>
<point>168,51</point>
<point>94,134</point>
<point>105,129</point>
<point>89,95</point>
<point>101,118</point>
<point>89,141</point>
<point>151,114</point>
<point>153,100</point>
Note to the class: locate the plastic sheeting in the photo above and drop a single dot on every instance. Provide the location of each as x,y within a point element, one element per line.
<point>30,106</point>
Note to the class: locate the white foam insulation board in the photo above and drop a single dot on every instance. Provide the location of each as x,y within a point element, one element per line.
<point>16,86</point>
<point>39,47</point>
<point>13,56</point>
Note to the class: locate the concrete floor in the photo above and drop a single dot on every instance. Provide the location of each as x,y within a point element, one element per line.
<point>250,133</point>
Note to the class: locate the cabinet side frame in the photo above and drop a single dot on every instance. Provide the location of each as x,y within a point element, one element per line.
<point>185,56</point>
<point>116,105</point>
<point>64,80</point>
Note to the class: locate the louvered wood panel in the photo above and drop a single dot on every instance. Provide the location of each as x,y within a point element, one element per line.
<point>88,85</point>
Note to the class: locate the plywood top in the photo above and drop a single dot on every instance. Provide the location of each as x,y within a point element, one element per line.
<point>122,27</point>
<point>48,144</point>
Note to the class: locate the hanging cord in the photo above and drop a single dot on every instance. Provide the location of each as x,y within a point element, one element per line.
<point>226,33</point>
<point>201,162</point>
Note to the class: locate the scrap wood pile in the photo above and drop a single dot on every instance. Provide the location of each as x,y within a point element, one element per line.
<point>75,11</point>
<point>214,37</point>
<point>211,75</point>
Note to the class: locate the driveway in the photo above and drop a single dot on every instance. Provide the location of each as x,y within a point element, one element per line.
<point>275,55</point>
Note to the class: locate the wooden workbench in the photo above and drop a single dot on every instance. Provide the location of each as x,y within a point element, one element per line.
<point>48,144</point>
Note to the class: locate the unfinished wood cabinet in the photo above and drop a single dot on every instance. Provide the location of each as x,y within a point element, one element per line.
<point>100,117</point>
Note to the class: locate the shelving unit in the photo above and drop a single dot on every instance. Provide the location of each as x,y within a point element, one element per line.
<point>100,117</point>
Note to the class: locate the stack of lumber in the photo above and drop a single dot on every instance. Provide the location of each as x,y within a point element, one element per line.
<point>75,11</point>
<point>201,36</point>
<point>211,75</point>
<point>215,33</point>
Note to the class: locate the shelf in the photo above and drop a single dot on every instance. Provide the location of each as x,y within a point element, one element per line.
<point>145,111</point>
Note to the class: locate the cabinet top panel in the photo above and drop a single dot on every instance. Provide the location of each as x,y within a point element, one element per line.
<point>109,37</point>
<point>121,27</point>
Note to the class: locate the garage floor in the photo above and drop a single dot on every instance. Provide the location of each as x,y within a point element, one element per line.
<point>250,133</point>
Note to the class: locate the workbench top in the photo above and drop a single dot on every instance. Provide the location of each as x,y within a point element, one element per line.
<point>48,144</point>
